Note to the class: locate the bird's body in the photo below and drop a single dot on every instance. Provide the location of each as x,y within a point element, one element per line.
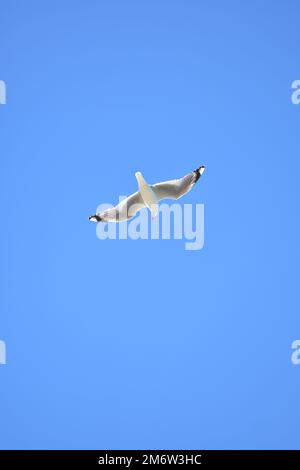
<point>149,196</point>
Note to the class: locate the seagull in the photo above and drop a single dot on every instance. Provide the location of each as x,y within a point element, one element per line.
<point>149,196</point>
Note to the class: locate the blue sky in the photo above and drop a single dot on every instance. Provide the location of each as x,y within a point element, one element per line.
<point>197,354</point>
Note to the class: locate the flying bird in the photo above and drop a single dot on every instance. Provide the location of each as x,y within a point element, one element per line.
<point>149,196</point>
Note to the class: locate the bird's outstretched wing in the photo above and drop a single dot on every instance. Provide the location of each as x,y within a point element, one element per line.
<point>126,209</point>
<point>174,189</point>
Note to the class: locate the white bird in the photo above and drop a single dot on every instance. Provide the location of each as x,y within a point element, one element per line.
<point>149,196</point>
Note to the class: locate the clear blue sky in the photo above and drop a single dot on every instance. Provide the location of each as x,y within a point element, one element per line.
<point>197,355</point>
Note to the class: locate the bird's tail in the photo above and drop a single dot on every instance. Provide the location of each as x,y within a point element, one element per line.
<point>199,172</point>
<point>95,218</point>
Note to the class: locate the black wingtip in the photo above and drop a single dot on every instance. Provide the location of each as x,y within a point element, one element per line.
<point>199,172</point>
<point>95,218</point>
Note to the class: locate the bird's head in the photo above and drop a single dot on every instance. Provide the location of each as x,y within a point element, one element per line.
<point>140,178</point>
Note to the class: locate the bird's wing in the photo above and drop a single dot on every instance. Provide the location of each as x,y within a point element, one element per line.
<point>174,189</point>
<point>125,210</point>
